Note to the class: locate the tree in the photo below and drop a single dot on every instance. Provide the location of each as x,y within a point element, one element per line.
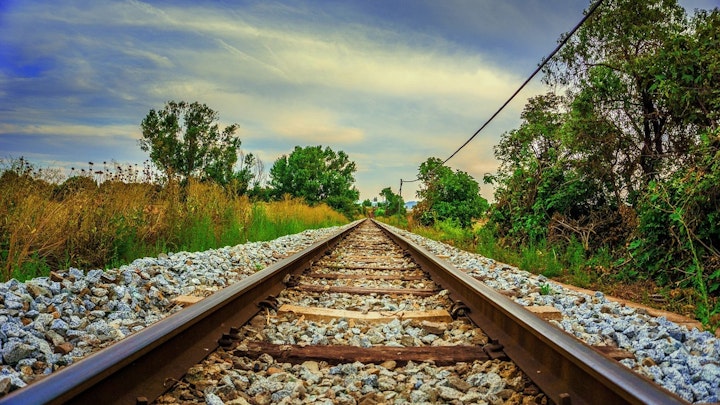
<point>394,203</point>
<point>185,141</point>
<point>448,195</point>
<point>546,181</point>
<point>612,57</point>
<point>248,176</point>
<point>316,175</point>
<point>688,72</point>
<point>628,159</point>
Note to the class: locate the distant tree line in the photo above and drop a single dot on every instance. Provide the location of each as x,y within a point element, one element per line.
<point>185,141</point>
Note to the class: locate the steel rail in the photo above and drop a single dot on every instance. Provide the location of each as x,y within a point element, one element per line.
<point>138,367</point>
<point>567,370</point>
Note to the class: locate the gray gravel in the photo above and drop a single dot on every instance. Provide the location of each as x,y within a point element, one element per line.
<point>225,378</point>
<point>47,324</point>
<point>686,362</point>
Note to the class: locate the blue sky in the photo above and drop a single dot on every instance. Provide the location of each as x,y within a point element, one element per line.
<point>389,82</point>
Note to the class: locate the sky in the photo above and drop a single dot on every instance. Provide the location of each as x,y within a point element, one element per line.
<point>389,82</point>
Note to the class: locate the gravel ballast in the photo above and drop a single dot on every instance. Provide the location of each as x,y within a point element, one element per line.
<point>686,362</point>
<point>48,323</point>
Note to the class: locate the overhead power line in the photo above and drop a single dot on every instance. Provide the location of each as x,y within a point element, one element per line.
<point>540,66</point>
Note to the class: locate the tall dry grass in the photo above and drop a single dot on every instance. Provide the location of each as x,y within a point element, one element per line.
<point>77,223</point>
<point>288,216</point>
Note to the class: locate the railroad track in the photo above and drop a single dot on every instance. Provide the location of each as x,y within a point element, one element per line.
<point>307,330</point>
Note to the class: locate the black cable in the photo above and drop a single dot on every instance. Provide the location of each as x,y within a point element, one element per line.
<point>540,66</point>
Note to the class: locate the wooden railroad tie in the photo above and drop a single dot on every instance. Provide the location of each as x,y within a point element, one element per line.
<point>368,258</point>
<point>426,292</point>
<point>440,355</point>
<point>365,277</point>
<point>615,353</point>
<point>546,312</point>
<point>326,314</point>
<point>360,267</point>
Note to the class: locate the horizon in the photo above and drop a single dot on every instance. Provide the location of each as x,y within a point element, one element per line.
<point>388,83</point>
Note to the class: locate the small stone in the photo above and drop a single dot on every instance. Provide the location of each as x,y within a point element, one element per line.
<point>312,366</point>
<point>55,337</point>
<point>710,373</point>
<point>389,364</point>
<point>371,399</point>
<point>37,290</point>
<point>435,328</point>
<point>212,399</point>
<point>458,383</point>
<point>449,393</point>
<point>274,370</point>
<point>5,384</point>
<point>64,348</point>
<point>648,362</point>
<point>14,351</point>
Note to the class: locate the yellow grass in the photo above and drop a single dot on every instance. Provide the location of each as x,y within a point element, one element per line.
<point>48,227</point>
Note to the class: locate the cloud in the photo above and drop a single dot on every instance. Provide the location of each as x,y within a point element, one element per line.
<point>313,126</point>
<point>75,130</point>
<point>289,74</point>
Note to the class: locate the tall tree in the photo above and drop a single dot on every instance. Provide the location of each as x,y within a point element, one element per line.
<point>316,175</point>
<point>688,72</point>
<point>612,57</point>
<point>448,195</point>
<point>184,140</point>
<point>394,203</point>
<point>249,174</point>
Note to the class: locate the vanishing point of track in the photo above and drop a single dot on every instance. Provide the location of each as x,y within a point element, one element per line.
<point>137,369</point>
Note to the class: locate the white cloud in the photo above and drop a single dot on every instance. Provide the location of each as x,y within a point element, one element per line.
<point>76,130</point>
<point>314,126</point>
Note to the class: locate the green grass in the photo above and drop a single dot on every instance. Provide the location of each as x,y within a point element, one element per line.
<point>34,267</point>
<point>264,227</point>
<point>568,261</point>
<point>545,289</point>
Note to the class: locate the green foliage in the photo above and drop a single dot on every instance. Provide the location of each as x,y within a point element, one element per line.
<point>317,175</point>
<point>679,226</point>
<point>393,204</point>
<point>540,259</point>
<point>626,162</point>
<point>265,226</point>
<point>448,195</point>
<point>688,71</point>
<point>611,63</point>
<point>545,289</point>
<point>84,225</point>
<point>247,177</point>
<point>487,243</point>
<point>184,140</point>
<point>35,266</point>
<point>539,176</point>
<point>452,230</point>
<point>74,185</point>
